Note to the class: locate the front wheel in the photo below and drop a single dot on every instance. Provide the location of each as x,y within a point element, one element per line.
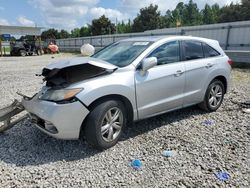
<point>214,96</point>
<point>39,52</point>
<point>105,123</point>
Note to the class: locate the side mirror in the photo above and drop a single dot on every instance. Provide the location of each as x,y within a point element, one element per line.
<point>148,63</point>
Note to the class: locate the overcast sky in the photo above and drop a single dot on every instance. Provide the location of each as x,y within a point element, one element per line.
<point>68,14</point>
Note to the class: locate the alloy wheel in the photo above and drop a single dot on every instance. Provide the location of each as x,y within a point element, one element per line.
<point>215,95</point>
<point>112,124</point>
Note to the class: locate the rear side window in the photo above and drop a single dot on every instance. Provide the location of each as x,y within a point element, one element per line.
<point>167,53</point>
<point>193,50</point>
<point>209,51</point>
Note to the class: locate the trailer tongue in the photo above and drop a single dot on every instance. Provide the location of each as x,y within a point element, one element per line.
<point>8,115</point>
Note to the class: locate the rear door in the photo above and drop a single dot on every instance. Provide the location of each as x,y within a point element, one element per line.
<point>197,68</point>
<point>161,88</point>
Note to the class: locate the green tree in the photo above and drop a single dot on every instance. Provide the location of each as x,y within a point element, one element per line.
<point>75,33</point>
<point>102,26</point>
<point>176,16</point>
<point>216,12</point>
<point>85,31</point>
<point>191,14</point>
<point>150,18</point>
<point>245,9</point>
<point>208,15</point>
<point>147,19</point>
<point>50,34</point>
<point>63,34</point>
<point>230,13</point>
<point>124,27</point>
<point>165,21</point>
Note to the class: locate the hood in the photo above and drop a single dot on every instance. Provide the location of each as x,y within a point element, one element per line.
<point>64,73</point>
<point>80,61</point>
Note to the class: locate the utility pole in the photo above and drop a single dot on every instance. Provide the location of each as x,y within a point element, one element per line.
<point>115,25</point>
<point>1,47</point>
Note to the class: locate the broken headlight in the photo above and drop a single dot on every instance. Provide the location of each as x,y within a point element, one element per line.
<point>60,95</point>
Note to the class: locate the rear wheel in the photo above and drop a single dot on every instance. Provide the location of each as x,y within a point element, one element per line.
<point>105,124</point>
<point>22,53</point>
<point>214,96</point>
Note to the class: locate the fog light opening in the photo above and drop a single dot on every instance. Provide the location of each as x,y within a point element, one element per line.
<point>50,127</point>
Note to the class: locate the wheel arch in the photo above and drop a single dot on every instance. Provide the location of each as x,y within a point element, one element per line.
<point>127,104</point>
<point>223,80</point>
<point>21,49</point>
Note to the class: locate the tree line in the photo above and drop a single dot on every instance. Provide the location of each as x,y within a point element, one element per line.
<point>150,18</point>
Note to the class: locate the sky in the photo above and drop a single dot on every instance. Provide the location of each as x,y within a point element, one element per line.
<point>69,14</point>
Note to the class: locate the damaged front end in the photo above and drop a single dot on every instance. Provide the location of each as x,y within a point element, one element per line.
<point>47,103</point>
<point>63,74</point>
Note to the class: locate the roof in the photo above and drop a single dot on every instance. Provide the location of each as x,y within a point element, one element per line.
<point>20,30</point>
<point>160,37</point>
<point>211,42</point>
<point>148,38</point>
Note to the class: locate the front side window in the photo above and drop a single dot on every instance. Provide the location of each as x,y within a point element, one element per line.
<point>193,50</point>
<point>122,53</point>
<point>209,51</point>
<point>167,53</point>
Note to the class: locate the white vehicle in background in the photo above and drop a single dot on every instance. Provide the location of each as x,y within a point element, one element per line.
<point>133,79</point>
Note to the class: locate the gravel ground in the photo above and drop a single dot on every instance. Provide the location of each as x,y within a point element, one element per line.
<point>29,158</point>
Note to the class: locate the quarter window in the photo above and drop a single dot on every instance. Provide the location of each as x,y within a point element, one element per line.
<point>193,50</point>
<point>167,53</point>
<point>209,51</point>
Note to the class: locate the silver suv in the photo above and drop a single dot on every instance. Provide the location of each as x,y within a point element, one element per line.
<point>96,97</point>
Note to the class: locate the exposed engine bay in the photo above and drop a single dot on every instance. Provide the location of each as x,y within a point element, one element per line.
<point>62,76</point>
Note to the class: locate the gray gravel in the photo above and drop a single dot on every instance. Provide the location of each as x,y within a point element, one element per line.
<point>29,158</point>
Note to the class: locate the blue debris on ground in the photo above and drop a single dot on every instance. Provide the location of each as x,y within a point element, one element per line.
<point>223,176</point>
<point>208,122</point>
<point>136,164</point>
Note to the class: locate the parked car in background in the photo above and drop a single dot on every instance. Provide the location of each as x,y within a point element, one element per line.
<point>24,48</point>
<point>133,79</point>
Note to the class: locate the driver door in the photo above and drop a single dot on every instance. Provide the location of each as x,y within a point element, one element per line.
<point>161,88</point>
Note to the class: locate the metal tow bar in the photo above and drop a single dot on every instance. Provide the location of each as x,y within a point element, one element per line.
<point>244,105</point>
<point>7,114</point>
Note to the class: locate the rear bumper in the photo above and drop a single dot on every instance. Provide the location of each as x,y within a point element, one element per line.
<point>65,118</point>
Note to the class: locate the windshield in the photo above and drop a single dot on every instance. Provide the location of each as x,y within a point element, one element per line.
<point>122,53</point>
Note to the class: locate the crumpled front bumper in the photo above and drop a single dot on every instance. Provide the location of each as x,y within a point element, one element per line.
<point>66,118</point>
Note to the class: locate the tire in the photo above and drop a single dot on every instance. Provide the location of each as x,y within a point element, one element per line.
<point>213,97</point>
<point>98,119</point>
<point>39,52</point>
<point>22,53</point>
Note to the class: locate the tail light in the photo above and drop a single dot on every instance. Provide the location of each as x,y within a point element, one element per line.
<point>230,62</point>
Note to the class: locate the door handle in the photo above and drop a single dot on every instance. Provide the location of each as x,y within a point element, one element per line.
<point>209,65</point>
<point>179,73</point>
